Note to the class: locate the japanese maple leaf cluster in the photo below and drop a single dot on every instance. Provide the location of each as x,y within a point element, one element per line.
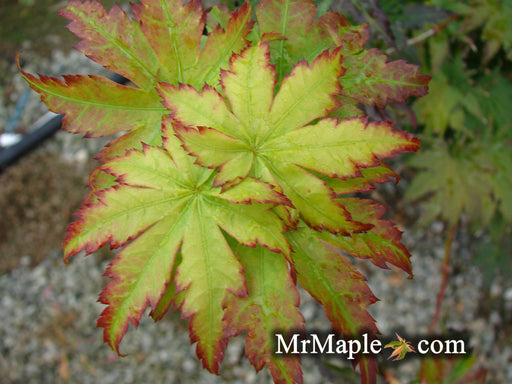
<point>234,178</point>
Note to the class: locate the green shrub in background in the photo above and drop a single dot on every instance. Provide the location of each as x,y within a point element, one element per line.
<point>464,169</point>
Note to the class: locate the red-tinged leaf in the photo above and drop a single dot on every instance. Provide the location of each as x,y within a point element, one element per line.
<point>221,44</point>
<point>368,369</point>
<point>322,271</point>
<point>149,134</point>
<point>219,15</point>
<point>98,107</point>
<point>98,181</point>
<point>112,40</point>
<point>164,42</point>
<point>366,181</point>
<point>96,225</point>
<point>371,81</point>
<point>205,278</point>
<point>271,305</point>
<point>303,37</point>
<point>290,18</point>
<point>381,244</point>
<point>161,200</point>
<point>205,109</point>
<point>174,32</point>
<point>350,38</point>
<point>306,94</point>
<point>256,138</point>
<point>270,153</point>
<point>339,287</point>
<point>169,296</point>
<point>347,108</point>
<point>223,151</point>
<point>340,149</point>
<point>315,200</point>
<point>250,190</point>
<point>93,101</point>
<point>140,278</point>
<point>250,92</point>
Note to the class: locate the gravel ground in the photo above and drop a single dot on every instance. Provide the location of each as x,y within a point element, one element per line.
<point>47,332</point>
<point>48,312</point>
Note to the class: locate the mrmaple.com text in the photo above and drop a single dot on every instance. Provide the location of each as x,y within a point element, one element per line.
<point>315,344</point>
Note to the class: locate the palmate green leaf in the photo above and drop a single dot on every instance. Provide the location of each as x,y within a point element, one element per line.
<point>163,42</point>
<point>454,183</point>
<point>452,97</point>
<point>271,305</point>
<point>162,204</point>
<point>474,181</point>
<point>265,136</point>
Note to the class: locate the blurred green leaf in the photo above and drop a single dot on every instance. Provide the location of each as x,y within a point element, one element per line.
<point>455,182</point>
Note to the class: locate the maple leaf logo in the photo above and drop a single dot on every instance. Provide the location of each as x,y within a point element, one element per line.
<point>400,348</point>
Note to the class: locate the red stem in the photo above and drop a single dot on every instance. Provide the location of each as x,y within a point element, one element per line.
<point>445,269</point>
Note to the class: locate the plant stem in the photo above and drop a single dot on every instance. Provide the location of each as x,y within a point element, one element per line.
<point>436,29</point>
<point>445,270</point>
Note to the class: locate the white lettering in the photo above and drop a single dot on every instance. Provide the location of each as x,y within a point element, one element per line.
<point>351,350</point>
<point>365,343</point>
<point>327,344</point>
<point>448,343</point>
<point>376,346</point>
<point>341,347</point>
<point>293,342</point>
<point>420,349</point>
<point>433,349</point>
<point>304,346</point>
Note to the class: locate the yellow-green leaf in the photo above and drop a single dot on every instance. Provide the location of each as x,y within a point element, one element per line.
<point>162,204</point>
<point>269,138</point>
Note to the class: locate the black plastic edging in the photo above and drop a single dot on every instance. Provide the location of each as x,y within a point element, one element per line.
<point>31,141</point>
